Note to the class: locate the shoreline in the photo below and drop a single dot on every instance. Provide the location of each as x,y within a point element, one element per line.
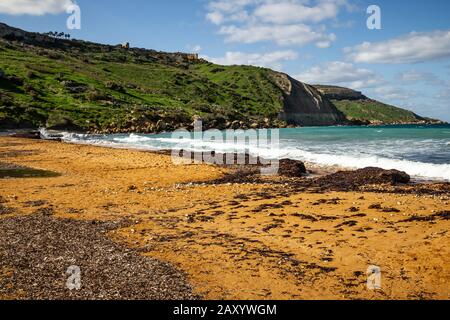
<point>320,168</point>
<point>315,169</point>
<point>287,239</point>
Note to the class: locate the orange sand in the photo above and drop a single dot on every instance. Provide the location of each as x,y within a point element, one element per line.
<point>242,241</point>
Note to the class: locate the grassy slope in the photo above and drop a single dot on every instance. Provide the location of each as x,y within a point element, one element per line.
<point>120,89</point>
<point>375,112</point>
<point>102,87</point>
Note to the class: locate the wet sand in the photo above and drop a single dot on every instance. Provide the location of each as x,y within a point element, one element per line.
<point>265,239</point>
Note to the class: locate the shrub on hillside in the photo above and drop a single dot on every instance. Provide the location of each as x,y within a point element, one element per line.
<point>114,86</point>
<point>96,95</point>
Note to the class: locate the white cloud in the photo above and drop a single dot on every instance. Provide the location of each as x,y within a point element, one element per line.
<point>415,47</point>
<point>221,11</point>
<point>444,95</point>
<point>285,22</point>
<point>231,5</point>
<point>343,24</point>
<point>340,73</point>
<point>215,17</point>
<point>288,12</point>
<point>34,7</point>
<point>414,76</point>
<point>272,59</point>
<point>392,93</point>
<point>283,35</point>
<point>195,49</point>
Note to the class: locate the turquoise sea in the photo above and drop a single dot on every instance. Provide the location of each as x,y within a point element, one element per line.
<point>420,150</point>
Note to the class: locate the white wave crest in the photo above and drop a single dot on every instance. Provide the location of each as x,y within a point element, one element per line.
<point>419,170</point>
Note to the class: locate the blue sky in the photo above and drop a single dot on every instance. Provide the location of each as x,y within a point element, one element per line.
<point>406,63</point>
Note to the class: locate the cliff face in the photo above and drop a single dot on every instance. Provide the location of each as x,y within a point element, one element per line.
<point>340,93</point>
<point>304,105</point>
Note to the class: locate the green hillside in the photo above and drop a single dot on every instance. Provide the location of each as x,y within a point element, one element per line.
<point>100,87</point>
<point>361,109</point>
<point>375,112</point>
<point>79,85</point>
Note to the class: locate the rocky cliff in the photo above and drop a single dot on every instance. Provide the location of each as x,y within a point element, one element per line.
<point>340,93</point>
<point>304,105</point>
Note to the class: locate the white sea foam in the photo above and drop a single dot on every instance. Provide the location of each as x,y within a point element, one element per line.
<point>351,160</point>
<point>417,169</point>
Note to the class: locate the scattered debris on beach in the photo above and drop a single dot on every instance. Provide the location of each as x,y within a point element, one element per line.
<point>38,249</point>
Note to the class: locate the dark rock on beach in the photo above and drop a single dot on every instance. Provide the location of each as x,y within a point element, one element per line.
<point>292,168</point>
<point>352,180</point>
<point>442,215</point>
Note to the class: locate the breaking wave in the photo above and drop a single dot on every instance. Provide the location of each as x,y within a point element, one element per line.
<point>352,155</point>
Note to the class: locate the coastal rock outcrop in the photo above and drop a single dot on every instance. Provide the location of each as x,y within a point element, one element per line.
<point>340,93</point>
<point>292,168</point>
<point>351,180</point>
<point>304,105</point>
